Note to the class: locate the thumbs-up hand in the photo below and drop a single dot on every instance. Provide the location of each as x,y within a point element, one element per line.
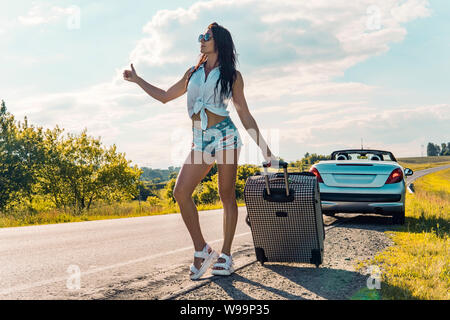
<point>130,75</point>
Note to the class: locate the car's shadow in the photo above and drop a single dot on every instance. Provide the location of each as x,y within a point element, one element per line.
<point>365,221</point>
<point>384,223</point>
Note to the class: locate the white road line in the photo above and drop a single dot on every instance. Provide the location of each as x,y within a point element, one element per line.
<point>117,265</point>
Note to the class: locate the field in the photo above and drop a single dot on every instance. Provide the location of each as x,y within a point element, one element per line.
<point>417,266</point>
<point>421,160</point>
<point>421,163</point>
<point>99,212</point>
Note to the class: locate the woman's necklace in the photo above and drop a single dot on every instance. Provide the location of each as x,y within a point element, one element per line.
<point>208,70</point>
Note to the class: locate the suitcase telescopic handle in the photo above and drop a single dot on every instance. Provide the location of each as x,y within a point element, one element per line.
<point>266,178</point>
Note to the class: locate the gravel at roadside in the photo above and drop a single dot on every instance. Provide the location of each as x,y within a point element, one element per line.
<point>356,238</point>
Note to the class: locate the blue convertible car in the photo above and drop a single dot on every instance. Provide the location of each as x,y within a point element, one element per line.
<point>362,181</point>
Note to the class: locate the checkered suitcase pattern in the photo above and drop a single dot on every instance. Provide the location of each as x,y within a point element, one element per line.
<point>285,228</point>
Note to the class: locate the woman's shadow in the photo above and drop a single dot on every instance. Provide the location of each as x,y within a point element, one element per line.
<point>301,281</point>
<point>296,283</point>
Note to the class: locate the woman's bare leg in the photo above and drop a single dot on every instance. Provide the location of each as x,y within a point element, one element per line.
<point>194,169</point>
<point>227,163</point>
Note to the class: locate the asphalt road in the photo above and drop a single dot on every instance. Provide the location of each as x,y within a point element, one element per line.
<point>107,258</point>
<point>421,173</point>
<point>42,262</point>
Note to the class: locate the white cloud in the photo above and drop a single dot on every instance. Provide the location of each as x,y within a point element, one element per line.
<point>43,13</point>
<point>309,107</point>
<point>290,54</point>
<point>410,10</point>
<point>397,129</point>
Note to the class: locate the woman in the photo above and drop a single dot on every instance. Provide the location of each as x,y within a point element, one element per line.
<point>210,84</point>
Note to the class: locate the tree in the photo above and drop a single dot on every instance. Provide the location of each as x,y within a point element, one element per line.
<point>51,180</point>
<point>211,172</point>
<point>209,192</point>
<point>168,190</point>
<point>79,171</point>
<point>10,174</point>
<point>444,150</point>
<point>145,192</point>
<point>154,201</point>
<point>430,149</point>
<point>240,186</point>
<point>245,171</point>
<point>71,171</point>
<point>173,175</point>
<point>156,180</point>
<point>19,159</point>
<point>32,155</point>
<point>433,149</point>
<point>110,176</point>
<point>305,163</point>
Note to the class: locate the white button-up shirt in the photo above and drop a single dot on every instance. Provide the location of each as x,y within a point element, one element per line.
<point>200,95</point>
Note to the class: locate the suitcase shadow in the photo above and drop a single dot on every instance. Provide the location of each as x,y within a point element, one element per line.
<point>296,283</point>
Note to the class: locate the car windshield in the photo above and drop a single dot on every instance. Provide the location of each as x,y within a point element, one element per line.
<point>362,155</point>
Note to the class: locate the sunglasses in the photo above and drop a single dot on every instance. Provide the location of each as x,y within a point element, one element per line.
<point>206,37</point>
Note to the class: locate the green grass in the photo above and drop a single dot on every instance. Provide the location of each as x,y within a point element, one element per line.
<point>417,266</point>
<point>98,212</point>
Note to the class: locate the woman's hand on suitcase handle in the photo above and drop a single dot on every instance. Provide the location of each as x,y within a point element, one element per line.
<point>272,161</point>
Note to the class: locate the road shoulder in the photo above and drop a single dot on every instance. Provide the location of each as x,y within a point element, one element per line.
<point>355,239</point>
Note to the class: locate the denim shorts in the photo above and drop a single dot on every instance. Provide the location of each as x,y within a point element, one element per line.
<point>221,136</point>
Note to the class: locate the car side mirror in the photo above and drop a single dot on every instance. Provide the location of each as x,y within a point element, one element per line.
<point>408,172</point>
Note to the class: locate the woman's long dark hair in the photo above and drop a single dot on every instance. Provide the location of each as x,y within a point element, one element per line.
<point>223,44</point>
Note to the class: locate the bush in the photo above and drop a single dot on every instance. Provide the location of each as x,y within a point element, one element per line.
<point>154,201</point>
<point>168,190</point>
<point>210,192</point>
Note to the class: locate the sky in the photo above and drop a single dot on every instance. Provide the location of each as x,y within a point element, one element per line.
<point>318,76</point>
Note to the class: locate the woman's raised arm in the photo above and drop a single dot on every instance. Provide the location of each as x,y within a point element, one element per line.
<point>178,89</point>
<point>174,92</point>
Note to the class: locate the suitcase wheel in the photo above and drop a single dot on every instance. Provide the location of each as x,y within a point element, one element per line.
<point>260,255</point>
<point>247,220</point>
<point>316,257</point>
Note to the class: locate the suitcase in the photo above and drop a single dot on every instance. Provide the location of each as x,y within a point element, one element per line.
<point>285,216</point>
